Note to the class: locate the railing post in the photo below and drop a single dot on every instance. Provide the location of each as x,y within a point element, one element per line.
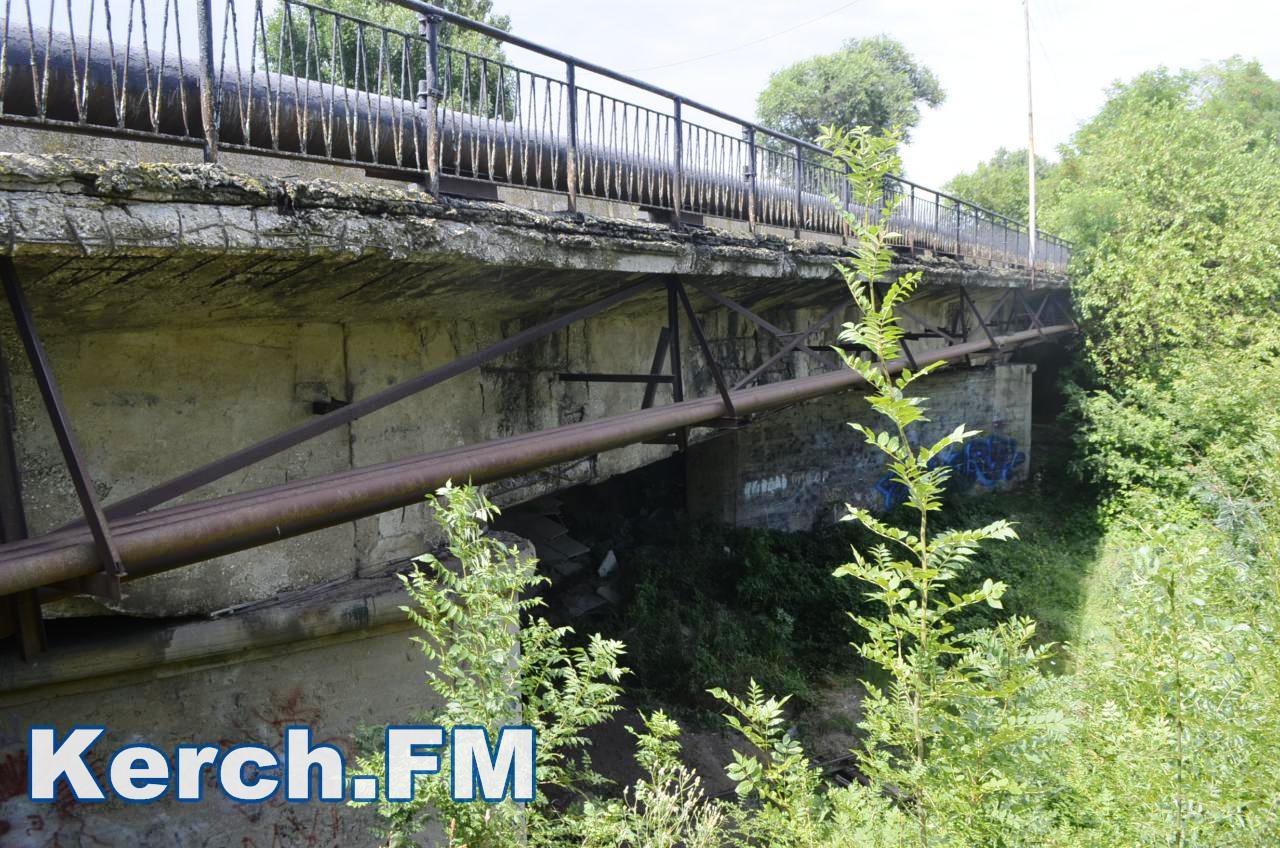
<point>846,199</point>
<point>677,173</point>
<point>957,229</point>
<point>937,222</point>
<point>799,190</point>
<point>429,98</point>
<point>571,149</point>
<point>208,101</point>
<point>749,174</point>
<point>911,212</point>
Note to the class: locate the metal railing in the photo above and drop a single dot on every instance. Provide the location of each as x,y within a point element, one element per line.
<point>291,78</point>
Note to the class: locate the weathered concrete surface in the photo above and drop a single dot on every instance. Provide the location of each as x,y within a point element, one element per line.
<point>112,244</point>
<point>339,661</point>
<point>192,310</point>
<point>799,467</point>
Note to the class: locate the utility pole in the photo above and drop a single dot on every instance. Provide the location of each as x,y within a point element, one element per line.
<point>1031,151</point>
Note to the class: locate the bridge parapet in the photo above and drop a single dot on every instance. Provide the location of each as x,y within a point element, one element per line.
<point>309,84</point>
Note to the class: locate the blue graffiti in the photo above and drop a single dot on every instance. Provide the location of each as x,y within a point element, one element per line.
<point>985,462</point>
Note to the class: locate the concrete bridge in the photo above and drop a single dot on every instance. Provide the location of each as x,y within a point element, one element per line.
<point>264,301</point>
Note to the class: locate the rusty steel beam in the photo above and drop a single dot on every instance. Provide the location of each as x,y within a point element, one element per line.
<point>23,609</point>
<point>605,377</point>
<point>772,329</point>
<point>655,368</point>
<point>170,538</point>
<point>800,338</point>
<point>701,337</point>
<point>107,554</point>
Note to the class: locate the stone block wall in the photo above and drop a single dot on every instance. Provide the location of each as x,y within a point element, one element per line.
<point>796,468</point>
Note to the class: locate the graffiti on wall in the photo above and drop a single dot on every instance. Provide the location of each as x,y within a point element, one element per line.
<point>986,461</point>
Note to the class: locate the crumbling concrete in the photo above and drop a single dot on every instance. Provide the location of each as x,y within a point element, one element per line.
<point>190,310</point>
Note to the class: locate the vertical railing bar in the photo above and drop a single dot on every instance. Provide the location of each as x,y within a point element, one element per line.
<point>799,177</point>
<point>846,199</point>
<point>208,108</point>
<point>677,190</point>
<point>750,176</point>
<point>428,99</point>
<point>571,142</point>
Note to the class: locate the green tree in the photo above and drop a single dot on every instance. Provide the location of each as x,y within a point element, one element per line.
<point>870,82</point>
<point>948,727</point>
<point>1240,91</point>
<point>1000,183</point>
<point>1175,213</point>
<point>374,46</point>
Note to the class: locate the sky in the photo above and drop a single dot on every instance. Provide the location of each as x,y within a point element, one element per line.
<point>976,48</point>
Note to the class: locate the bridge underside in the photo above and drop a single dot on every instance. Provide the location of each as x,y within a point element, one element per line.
<point>189,312</point>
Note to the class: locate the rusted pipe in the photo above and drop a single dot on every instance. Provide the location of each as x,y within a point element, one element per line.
<point>184,535</point>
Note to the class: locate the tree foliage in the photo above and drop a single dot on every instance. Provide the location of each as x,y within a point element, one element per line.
<point>870,82</point>
<point>946,729</point>
<point>1170,193</point>
<point>389,57</point>
<point>1175,212</point>
<point>1000,183</point>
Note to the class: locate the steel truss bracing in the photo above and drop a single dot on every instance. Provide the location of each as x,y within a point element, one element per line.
<point>92,555</point>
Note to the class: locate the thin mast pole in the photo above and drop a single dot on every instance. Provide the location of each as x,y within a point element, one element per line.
<point>1031,151</point>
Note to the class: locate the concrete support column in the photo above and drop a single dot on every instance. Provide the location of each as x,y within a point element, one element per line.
<point>797,468</point>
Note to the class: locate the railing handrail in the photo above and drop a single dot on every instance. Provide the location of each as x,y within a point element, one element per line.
<point>557,136</point>
<point>569,59</point>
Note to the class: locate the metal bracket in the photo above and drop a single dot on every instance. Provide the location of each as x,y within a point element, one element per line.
<point>1033,318</point>
<point>601,377</point>
<point>655,368</point>
<point>929,328</point>
<point>112,568</point>
<point>468,188</point>
<point>772,329</point>
<point>698,334</point>
<point>21,612</point>
<point>796,343</point>
<point>677,372</point>
<point>964,296</point>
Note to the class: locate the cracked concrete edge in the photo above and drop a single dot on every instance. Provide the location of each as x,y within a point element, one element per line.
<point>136,208</point>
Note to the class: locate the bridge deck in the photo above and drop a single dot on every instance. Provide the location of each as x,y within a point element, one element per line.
<point>126,245</point>
<point>332,88</point>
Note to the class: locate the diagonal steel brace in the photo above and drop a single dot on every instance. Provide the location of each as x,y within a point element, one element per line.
<point>698,334</point>
<point>112,568</point>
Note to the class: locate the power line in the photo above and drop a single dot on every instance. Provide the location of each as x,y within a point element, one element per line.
<point>747,44</point>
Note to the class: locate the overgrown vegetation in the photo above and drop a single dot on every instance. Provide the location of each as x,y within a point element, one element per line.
<point>1156,725</point>
<point>935,733</point>
<point>716,606</point>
